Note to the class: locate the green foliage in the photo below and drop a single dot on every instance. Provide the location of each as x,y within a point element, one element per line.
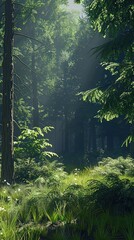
<point>77,1</point>
<point>22,113</point>
<point>82,205</point>
<point>92,95</point>
<point>104,19</point>
<point>114,21</point>
<point>32,144</point>
<point>129,139</point>
<point>50,172</point>
<point>47,31</point>
<point>119,166</point>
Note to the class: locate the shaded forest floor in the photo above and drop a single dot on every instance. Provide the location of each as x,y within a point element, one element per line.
<point>91,204</point>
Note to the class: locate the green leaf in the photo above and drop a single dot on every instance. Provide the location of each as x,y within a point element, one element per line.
<point>93,95</point>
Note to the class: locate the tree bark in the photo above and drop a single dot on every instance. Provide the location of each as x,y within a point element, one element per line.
<point>110,143</point>
<point>7,170</point>
<point>34,92</point>
<point>79,137</point>
<point>66,135</point>
<point>93,135</point>
<point>132,143</point>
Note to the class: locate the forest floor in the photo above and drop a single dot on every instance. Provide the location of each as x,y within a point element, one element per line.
<point>91,204</point>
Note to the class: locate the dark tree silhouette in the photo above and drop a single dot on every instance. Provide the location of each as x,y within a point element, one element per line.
<point>8,92</point>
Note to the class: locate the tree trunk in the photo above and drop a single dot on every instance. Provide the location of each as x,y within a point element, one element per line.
<point>79,137</point>
<point>66,135</point>
<point>93,135</point>
<point>7,170</point>
<point>132,143</point>
<point>110,143</point>
<point>34,92</point>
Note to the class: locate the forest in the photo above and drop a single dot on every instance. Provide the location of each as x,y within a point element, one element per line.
<point>66,120</point>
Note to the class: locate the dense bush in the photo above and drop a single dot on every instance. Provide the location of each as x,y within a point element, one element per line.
<point>120,166</point>
<point>32,155</point>
<point>33,144</point>
<point>28,170</point>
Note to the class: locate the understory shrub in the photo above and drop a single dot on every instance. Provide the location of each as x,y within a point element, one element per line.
<point>33,144</point>
<point>51,171</point>
<point>120,166</point>
<point>32,158</point>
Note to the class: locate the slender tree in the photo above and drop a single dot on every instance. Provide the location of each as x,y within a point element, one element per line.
<point>35,91</point>
<point>7,171</point>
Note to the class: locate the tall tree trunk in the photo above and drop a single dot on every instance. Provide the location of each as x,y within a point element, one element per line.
<point>34,92</point>
<point>79,137</point>
<point>66,134</point>
<point>65,104</point>
<point>110,143</point>
<point>7,170</point>
<point>93,135</point>
<point>132,143</point>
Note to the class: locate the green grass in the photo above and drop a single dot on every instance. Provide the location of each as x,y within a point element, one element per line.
<point>95,203</point>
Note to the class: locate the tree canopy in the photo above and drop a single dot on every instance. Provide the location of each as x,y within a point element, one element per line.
<point>115,22</point>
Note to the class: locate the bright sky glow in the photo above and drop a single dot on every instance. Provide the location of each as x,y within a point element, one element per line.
<point>74,7</point>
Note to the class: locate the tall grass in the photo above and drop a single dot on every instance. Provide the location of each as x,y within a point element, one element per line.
<point>93,204</point>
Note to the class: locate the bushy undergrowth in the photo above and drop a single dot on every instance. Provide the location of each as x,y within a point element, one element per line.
<point>120,166</point>
<point>33,144</point>
<point>29,170</point>
<point>95,204</point>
